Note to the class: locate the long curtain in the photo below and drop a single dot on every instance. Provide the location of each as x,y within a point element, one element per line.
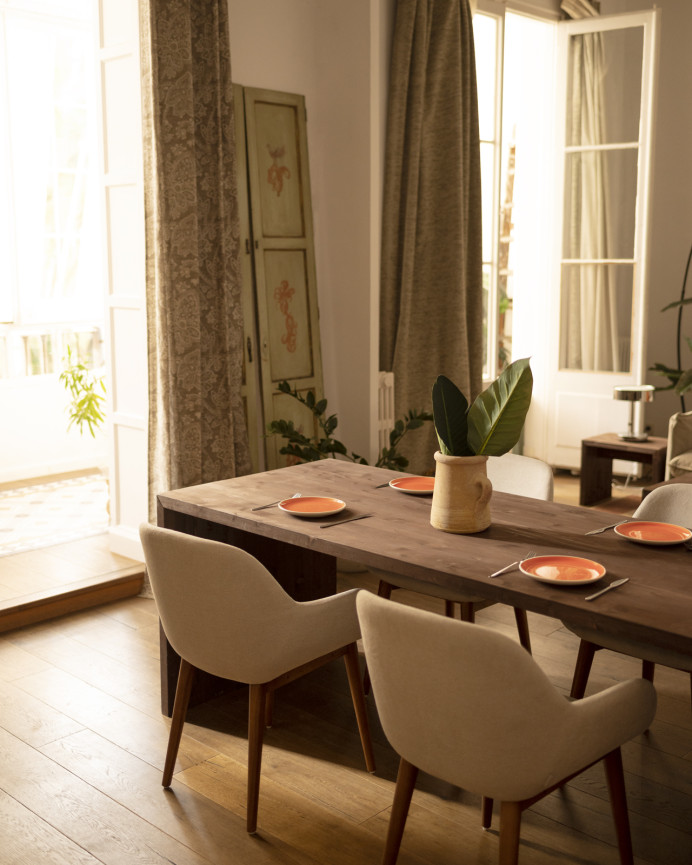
<point>197,430</point>
<point>431,308</point>
<point>590,315</point>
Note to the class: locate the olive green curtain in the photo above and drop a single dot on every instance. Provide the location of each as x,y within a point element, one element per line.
<point>197,430</point>
<point>431,307</point>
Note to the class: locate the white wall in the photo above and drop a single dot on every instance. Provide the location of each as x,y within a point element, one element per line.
<point>37,405</point>
<point>329,51</point>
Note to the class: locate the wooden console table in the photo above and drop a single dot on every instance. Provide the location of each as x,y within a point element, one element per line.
<point>598,453</point>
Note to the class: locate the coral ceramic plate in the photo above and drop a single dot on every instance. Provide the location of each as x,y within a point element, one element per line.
<point>562,570</point>
<point>312,506</point>
<point>417,486</point>
<point>653,533</point>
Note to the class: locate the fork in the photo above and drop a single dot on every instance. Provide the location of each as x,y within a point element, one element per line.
<point>271,504</point>
<point>529,555</point>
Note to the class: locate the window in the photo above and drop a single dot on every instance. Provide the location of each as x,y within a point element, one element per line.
<point>50,260</point>
<point>514,68</point>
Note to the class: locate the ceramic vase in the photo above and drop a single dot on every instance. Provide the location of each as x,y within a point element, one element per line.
<point>461,498</point>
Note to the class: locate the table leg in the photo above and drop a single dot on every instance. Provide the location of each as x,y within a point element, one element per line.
<point>596,479</point>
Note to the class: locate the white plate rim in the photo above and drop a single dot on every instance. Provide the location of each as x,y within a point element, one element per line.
<point>562,582</point>
<point>393,484</point>
<point>649,541</point>
<point>310,514</point>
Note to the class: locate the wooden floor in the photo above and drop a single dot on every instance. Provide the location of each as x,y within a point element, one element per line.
<point>82,742</point>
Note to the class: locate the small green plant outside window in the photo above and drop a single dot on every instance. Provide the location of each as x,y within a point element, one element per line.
<point>87,394</point>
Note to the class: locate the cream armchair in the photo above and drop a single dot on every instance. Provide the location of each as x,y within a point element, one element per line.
<point>468,705</point>
<point>679,453</point>
<point>224,613</point>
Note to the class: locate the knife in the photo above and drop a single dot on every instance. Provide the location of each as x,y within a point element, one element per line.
<point>347,520</point>
<point>613,585</point>
<point>605,528</point>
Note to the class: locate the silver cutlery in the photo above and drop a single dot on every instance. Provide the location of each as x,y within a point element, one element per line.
<point>605,528</point>
<point>346,520</point>
<point>271,504</point>
<point>504,570</point>
<point>379,486</point>
<point>613,585</point>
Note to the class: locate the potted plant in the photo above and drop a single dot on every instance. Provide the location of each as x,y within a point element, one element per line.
<point>467,435</point>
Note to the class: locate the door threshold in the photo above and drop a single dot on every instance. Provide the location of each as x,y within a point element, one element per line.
<point>70,598</point>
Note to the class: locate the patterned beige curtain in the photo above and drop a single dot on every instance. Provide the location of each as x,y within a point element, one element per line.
<point>431,283</point>
<point>197,430</point>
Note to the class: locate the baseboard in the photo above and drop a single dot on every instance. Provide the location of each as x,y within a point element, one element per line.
<point>49,604</point>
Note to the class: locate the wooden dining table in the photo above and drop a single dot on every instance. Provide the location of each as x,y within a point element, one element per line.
<point>654,606</point>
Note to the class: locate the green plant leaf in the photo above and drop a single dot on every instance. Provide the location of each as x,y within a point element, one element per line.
<point>496,418</point>
<point>677,303</point>
<point>684,383</point>
<point>449,412</point>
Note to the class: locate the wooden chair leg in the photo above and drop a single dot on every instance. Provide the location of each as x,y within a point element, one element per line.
<point>269,709</point>
<point>523,628</point>
<point>466,612</point>
<point>258,699</point>
<point>648,668</point>
<point>358,697</point>
<point>486,812</point>
<point>405,782</point>
<point>510,826</point>
<point>618,803</point>
<point>583,668</point>
<point>186,677</point>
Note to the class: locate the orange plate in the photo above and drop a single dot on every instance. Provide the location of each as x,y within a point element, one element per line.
<point>653,533</point>
<point>417,486</point>
<point>562,570</point>
<point>312,506</point>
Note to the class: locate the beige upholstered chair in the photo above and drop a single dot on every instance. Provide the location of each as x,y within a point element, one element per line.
<point>511,473</point>
<point>224,613</point>
<point>467,705</point>
<point>679,453</point>
<point>670,504</point>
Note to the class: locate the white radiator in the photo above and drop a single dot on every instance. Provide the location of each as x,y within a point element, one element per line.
<point>385,409</point>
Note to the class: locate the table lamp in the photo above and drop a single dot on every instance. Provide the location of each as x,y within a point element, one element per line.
<point>634,393</point>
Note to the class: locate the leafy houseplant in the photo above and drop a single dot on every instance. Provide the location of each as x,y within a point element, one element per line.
<point>87,395</point>
<point>467,435</point>
<point>492,425</point>
<point>304,448</point>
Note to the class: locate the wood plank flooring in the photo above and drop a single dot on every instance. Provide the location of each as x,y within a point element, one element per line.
<point>82,743</point>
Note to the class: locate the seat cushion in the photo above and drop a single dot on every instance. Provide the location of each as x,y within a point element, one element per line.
<point>681,463</point>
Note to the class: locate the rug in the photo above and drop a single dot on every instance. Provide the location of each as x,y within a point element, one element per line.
<point>42,515</point>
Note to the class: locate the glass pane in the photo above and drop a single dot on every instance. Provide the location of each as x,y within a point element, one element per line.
<point>600,202</point>
<point>604,87</point>
<point>487,277</point>
<point>487,199</point>
<point>596,317</point>
<point>485,44</point>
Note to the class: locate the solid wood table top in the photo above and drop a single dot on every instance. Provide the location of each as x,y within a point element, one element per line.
<point>654,606</point>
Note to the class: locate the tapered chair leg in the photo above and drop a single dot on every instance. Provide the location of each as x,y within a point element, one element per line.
<point>510,826</point>
<point>523,628</point>
<point>583,668</point>
<point>358,697</point>
<point>486,812</point>
<point>258,699</point>
<point>183,690</point>
<point>618,803</point>
<point>405,782</point>
<point>648,668</point>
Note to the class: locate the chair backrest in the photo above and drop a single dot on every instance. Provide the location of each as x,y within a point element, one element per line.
<point>679,449</point>
<point>469,705</point>
<point>671,504</point>
<point>220,608</point>
<point>522,476</point>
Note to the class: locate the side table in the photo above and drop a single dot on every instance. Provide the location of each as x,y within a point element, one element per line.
<point>598,453</point>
